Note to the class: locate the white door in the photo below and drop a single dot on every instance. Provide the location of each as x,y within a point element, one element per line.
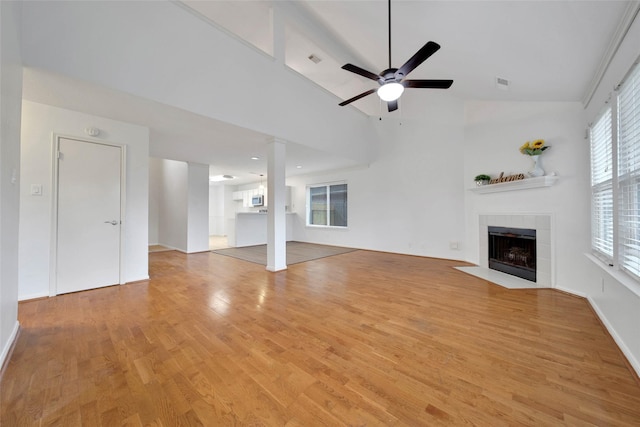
<point>88,233</point>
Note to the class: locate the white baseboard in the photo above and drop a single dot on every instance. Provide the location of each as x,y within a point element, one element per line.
<point>173,248</point>
<point>635,364</point>
<point>619,341</point>
<point>572,292</point>
<point>33,296</point>
<point>136,279</point>
<point>7,346</point>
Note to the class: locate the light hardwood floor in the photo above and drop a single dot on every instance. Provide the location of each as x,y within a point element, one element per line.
<point>362,338</point>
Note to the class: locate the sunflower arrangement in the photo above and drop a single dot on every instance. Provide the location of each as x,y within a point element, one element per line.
<point>534,148</point>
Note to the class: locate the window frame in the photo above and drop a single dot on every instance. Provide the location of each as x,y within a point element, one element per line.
<point>602,186</point>
<point>625,207</point>
<point>328,215</point>
<point>627,138</point>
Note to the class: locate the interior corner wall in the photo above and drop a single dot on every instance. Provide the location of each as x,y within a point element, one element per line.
<point>411,199</point>
<point>229,213</point>
<point>198,208</point>
<point>155,177</point>
<point>172,204</point>
<point>10,118</point>
<point>494,132</point>
<point>182,205</point>
<point>39,123</point>
<point>216,210</point>
<point>626,55</point>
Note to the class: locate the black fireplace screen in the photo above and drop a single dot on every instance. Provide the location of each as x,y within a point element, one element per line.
<point>513,251</point>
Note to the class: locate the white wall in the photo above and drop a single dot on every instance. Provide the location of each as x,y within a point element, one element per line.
<point>198,208</point>
<point>628,52</point>
<point>229,213</point>
<point>10,97</point>
<point>38,124</point>
<point>173,204</point>
<point>155,177</point>
<point>182,192</point>
<point>494,132</point>
<point>177,58</point>
<point>216,210</point>
<point>411,199</point>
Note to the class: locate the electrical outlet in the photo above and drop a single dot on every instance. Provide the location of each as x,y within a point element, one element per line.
<point>453,245</point>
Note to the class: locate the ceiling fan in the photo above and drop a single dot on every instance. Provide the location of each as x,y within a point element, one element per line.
<point>393,81</point>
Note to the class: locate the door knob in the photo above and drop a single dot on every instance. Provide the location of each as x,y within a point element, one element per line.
<point>114,222</point>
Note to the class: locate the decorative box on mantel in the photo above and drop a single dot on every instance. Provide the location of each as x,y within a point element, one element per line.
<point>523,184</point>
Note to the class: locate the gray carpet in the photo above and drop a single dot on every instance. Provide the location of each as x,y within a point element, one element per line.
<point>297,252</point>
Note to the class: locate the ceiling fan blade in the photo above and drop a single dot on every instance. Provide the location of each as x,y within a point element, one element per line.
<point>418,58</point>
<point>355,98</point>
<point>428,84</point>
<point>392,105</point>
<point>362,72</point>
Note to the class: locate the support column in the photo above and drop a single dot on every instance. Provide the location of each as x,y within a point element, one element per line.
<point>276,215</point>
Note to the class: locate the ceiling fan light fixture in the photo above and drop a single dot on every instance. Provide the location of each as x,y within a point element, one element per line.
<point>390,91</point>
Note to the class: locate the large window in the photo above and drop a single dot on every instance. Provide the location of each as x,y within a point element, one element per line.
<point>615,179</point>
<point>327,205</point>
<point>602,187</point>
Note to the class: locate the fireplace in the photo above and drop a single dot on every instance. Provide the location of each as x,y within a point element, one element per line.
<point>513,251</point>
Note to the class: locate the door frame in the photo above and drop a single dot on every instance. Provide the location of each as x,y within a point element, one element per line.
<point>55,149</point>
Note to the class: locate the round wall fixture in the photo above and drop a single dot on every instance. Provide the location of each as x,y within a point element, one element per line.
<point>92,131</point>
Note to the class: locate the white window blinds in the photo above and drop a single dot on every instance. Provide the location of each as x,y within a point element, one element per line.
<point>629,174</point>
<point>602,187</point>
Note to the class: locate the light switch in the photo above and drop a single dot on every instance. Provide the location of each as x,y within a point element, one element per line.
<point>36,189</point>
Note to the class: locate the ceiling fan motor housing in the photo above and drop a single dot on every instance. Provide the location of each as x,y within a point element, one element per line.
<point>389,75</point>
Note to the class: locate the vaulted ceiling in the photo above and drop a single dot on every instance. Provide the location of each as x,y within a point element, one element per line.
<point>546,50</point>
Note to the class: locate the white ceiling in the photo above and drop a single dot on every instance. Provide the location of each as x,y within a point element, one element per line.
<point>548,50</point>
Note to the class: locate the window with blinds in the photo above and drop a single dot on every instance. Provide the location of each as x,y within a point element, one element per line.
<point>602,187</point>
<point>629,174</point>
<point>615,179</point>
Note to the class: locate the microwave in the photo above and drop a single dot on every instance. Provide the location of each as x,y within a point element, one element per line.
<point>257,201</point>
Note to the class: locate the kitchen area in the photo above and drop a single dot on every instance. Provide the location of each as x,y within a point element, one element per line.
<point>240,213</point>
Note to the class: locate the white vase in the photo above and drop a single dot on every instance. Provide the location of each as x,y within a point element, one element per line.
<point>537,167</point>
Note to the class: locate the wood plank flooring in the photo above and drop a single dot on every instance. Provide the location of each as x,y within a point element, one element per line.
<point>360,339</point>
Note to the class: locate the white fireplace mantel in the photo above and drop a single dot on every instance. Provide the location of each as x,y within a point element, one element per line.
<point>523,184</point>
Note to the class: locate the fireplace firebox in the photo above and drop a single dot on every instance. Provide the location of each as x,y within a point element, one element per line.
<point>513,251</point>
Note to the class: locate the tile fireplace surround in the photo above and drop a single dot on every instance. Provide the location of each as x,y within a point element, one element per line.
<point>539,222</point>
